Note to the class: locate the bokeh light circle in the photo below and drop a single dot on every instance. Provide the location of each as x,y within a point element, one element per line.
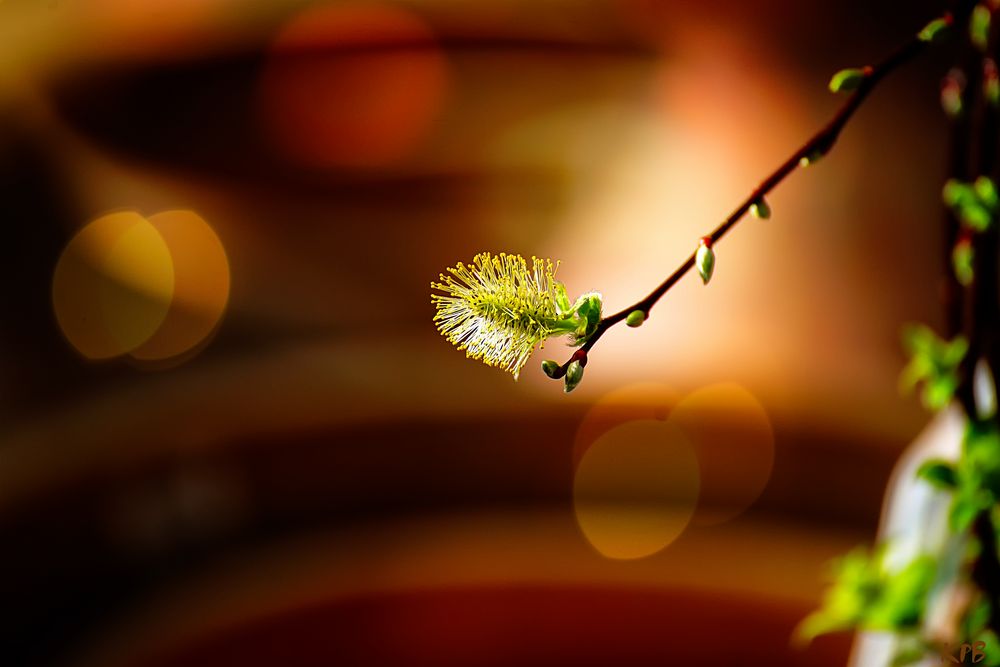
<point>352,85</point>
<point>734,441</point>
<point>636,489</point>
<point>153,289</point>
<point>113,285</point>
<point>641,400</point>
<point>201,285</point>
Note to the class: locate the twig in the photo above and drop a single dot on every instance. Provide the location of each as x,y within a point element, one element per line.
<point>819,145</point>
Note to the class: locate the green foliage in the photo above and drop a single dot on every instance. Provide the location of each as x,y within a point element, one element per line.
<point>847,80</point>
<point>939,474</point>
<point>986,191</point>
<point>991,648</point>
<point>962,262</point>
<point>951,94</point>
<point>866,595</point>
<point>934,31</point>
<point>933,364</point>
<point>991,83</point>
<point>974,478</point>
<point>977,475</point>
<point>975,204</point>
<point>975,620</point>
<point>587,315</point>
<point>910,652</point>
<point>979,27</point>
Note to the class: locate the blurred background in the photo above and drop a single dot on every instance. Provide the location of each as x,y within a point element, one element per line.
<point>230,434</point>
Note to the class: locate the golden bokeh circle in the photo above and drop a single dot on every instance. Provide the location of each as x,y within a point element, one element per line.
<point>636,489</point>
<point>640,400</point>
<point>153,289</point>
<point>733,439</point>
<point>201,285</point>
<point>112,285</point>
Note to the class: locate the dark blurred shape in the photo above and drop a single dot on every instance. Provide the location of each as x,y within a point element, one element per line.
<point>527,626</point>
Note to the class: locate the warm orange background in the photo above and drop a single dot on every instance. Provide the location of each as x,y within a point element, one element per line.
<point>317,478</point>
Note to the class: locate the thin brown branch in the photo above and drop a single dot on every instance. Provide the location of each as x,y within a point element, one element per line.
<point>818,145</point>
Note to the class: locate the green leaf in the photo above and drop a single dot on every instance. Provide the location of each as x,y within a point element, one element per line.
<point>919,338</point>
<point>979,27</point>
<point>934,31</point>
<point>975,216</point>
<point>904,596</point>
<point>819,623</point>
<point>939,474</point>
<point>991,648</point>
<point>704,259</point>
<point>856,585</point>
<point>847,80</point>
<point>963,511</point>
<point>986,191</point>
<point>991,85</point>
<point>962,256</point>
<point>980,464</point>
<point>919,369</point>
<point>976,619</point>
<point>954,351</point>
<point>956,193</point>
<point>939,391</point>
<point>934,363</point>
<point>588,313</point>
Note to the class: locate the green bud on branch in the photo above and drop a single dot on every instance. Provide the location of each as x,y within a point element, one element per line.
<point>962,256</point>
<point>951,93</point>
<point>760,209</point>
<point>847,80</point>
<point>574,373</point>
<point>939,474</point>
<point>935,30</point>
<point>986,190</point>
<point>979,27</point>
<point>975,217</point>
<point>551,368</point>
<point>704,259</point>
<point>635,318</point>
<point>991,82</point>
<point>812,158</point>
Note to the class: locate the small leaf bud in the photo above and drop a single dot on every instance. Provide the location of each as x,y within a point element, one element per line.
<point>635,318</point>
<point>705,259</point>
